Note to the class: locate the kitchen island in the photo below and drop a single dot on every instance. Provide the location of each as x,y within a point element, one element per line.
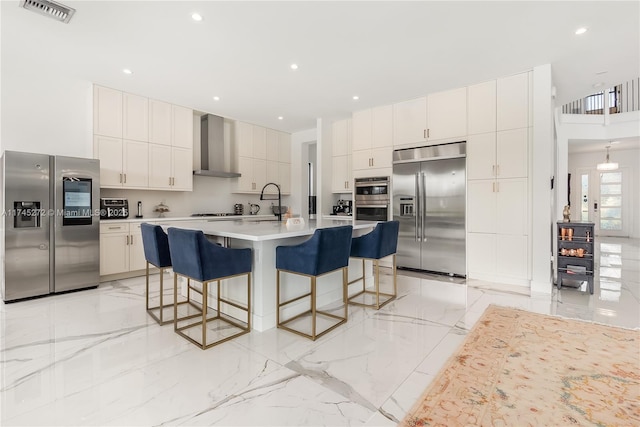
<point>263,237</point>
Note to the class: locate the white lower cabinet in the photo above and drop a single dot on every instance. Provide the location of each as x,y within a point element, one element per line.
<point>498,257</point>
<point>121,248</point>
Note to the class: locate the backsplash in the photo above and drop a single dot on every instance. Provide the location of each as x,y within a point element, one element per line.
<point>208,195</point>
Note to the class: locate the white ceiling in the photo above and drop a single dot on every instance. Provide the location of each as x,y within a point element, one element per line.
<point>382,51</point>
<point>593,145</point>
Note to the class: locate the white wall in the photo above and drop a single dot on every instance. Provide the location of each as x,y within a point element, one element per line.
<point>45,111</point>
<point>628,160</point>
<point>300,142</point>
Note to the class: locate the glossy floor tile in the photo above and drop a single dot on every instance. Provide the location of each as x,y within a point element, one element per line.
<point>96,358</point>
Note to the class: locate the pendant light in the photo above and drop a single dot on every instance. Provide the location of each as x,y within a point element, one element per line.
<point>607,165</point>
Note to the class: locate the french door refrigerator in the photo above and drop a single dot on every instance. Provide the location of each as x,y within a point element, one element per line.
<point>51,229</point>
<point>429,194</point>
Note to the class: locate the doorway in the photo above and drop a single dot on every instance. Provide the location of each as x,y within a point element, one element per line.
<point>602,197</point>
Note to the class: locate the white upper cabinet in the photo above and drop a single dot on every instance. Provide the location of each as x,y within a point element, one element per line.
<point>481,99</point>
<point>513,102</point>
<point>284,147</point>
<point>142,143</point>
<point>447,114</point>
<point>372,138</point>
<point>135,118</point>
<point>107,112</point>
<point>341,160</point>
<point>159,122</point>
<point>382,126</point>
<point>340,140</point>
<point>410,121</point>
<point>259,142</point>
<point>262,155</point>
<point>273,145</point>
<point>182,127</point>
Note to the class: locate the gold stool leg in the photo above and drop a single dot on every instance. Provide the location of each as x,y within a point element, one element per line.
<point>249,301</point>
<point>313,307</point>
<point>205,286</point>
<point>376,264</point>
<point>147,285</point>
<point>395,284</point>
<point>161,292</point>
<point>277,297</point>
<point>345,289</point>
<point>364,276</point>
<point>175,301</point>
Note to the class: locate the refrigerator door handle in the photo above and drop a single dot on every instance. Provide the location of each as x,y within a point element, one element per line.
<point>416,212</point>
<point>423,208</point>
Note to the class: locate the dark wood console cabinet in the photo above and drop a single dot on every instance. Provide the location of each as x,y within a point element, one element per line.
<point>575,253</point>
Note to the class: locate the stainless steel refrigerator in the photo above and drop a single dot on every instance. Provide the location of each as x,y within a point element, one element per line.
<point>51,227</point>
<point>429,194</point>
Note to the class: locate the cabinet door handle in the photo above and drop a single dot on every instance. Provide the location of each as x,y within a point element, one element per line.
<point>120,178</point>
<point>127,237</point>
<point>131,238</point>
<point>493,187</point>
<point>427,133</point>
<point>114,228</point>
<point>424,134</point>
<point>125,178</point>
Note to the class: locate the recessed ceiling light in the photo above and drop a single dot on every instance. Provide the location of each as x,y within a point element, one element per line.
<point>356,97</point>
<point>127,71</point>
<point>614,142</point>
<point>216,98</point>
<point>280,118</point>
<point>294,66</point>
<point>581,30</point>
<point>597,85</point>
<point>196,17</point>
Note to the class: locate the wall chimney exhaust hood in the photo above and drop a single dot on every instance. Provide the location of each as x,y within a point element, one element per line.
<point>214,154</point>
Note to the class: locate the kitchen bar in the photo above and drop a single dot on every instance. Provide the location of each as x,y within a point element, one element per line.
<point>263,237</point>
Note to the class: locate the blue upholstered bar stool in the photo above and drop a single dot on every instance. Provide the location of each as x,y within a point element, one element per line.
<point>326,251</point>
<point>378,244</point>
<point>196,258</point>
<point>156,252</point>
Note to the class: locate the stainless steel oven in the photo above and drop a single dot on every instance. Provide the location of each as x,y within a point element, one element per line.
<point>372,198</point>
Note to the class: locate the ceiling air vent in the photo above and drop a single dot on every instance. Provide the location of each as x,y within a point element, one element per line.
<point>49,8</point>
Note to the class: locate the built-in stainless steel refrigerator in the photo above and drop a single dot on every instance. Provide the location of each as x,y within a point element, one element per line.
<point>51,227</point>
<point>429,193</point>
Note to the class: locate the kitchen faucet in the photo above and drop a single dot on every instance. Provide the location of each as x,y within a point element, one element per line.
<point>279,214</point>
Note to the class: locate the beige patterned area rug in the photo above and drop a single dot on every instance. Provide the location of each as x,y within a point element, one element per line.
<point>517,368</point>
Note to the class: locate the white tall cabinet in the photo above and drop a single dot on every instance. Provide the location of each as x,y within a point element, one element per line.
<point>498,180</point>
<point>341,176</point>
<point>142,143</point>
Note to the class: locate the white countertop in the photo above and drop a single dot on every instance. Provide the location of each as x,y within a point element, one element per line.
<point>269,230</point>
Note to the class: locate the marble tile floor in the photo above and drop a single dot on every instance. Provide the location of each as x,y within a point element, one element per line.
<point>96,358</point>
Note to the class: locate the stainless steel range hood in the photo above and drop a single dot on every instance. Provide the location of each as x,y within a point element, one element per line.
<point>214,153</point>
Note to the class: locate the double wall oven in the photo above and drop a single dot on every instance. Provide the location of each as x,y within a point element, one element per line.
<point>372,198</point>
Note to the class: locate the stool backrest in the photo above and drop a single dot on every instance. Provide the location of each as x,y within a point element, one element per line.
<point>332,246</point>
<point>388,238</point>
<point>156,245</point>
<point>381,242</point>
<point>185,252</point>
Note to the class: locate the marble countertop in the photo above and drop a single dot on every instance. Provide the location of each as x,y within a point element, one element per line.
<point>269,230</point>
